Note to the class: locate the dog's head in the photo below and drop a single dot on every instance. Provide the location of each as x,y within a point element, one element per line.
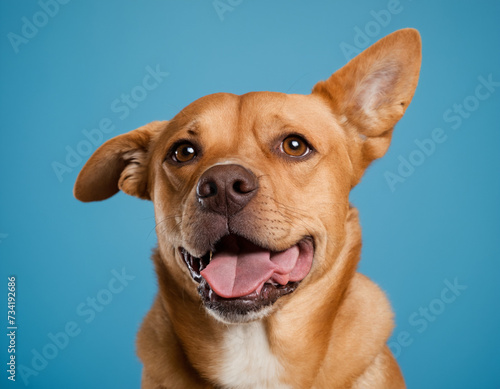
<point>251,192</point>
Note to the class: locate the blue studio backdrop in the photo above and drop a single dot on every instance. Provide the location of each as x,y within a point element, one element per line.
<point>76,73</point>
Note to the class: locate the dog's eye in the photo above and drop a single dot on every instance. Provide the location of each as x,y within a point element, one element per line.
<point>295,146</point>
<point>183,152</point>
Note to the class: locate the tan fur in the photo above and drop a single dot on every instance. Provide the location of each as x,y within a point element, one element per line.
<point>329,333</point>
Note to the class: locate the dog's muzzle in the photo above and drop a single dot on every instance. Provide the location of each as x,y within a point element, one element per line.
<point>235,273</point>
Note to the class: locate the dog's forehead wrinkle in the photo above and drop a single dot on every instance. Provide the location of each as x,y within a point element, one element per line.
<point>199,115</point>
<point>192,127</point>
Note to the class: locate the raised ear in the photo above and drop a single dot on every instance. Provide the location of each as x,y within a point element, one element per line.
<point>371,93</point>
<point>120,163</point>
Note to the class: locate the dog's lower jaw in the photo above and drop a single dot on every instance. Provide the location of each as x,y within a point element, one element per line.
<point>237,318</point>
<point>230,311</point>
<point>335,341</point>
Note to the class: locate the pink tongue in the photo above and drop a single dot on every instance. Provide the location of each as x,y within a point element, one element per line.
<point>242,268</point>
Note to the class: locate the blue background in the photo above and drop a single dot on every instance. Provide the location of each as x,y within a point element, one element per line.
<point>440,225</point>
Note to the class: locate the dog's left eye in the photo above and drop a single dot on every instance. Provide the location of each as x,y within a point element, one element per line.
<point>295,146</point>
<point>183,152</point>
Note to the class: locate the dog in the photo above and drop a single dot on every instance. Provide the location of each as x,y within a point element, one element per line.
<point>257,242</point>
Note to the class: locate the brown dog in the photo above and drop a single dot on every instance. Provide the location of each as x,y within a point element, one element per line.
<point>257,243</point>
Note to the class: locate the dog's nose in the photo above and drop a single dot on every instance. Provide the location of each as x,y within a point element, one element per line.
<point>226,189</point>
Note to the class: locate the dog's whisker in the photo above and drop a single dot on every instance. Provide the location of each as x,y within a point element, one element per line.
<point>167,218</point>
<point>164,220</point>
<point>298,212</point>
<point>175,227</point>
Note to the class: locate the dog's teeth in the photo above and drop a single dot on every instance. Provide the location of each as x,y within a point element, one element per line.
<point>210,258</point>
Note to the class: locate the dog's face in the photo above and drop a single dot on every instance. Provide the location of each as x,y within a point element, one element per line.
<point>234,177</point>
<point>251,192</point>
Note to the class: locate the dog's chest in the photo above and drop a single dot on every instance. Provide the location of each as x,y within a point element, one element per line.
<point>247,361</point>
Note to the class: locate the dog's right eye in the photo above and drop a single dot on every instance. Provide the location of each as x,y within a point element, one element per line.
<point>295,146</point>
<point>183,152</point>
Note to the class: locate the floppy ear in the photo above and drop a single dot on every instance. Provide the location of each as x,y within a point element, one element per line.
<point>371,93</point>
<point>120,163</point>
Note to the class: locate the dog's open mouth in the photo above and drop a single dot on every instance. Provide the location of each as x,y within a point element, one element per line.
<point>244,276</point>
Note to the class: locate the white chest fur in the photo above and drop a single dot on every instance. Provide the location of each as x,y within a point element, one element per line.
<point>247,361</point>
